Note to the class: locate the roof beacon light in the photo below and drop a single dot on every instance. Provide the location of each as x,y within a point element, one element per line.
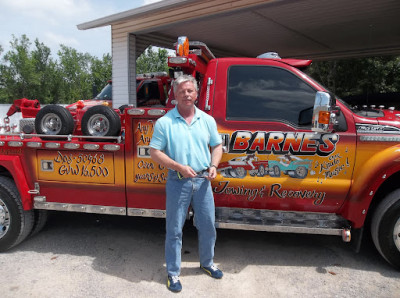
<point>182,46</point>
<point>269,55</point>
<point>178,60</point>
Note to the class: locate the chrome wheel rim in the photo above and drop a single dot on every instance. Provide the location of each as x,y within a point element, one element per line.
<point>276,171</point>
<point>98,125</point>
<point>301,171</point>
<point>262,171</point>
<point>4,219</point>
<point>396,234</point>
<point>51,124</point>
<point>241,172</point>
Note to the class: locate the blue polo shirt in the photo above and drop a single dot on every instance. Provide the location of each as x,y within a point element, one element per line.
<point>186,144</point>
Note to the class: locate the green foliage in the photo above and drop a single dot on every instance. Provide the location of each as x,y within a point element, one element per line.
<point>152,61</point>
<point>18,77</point>
<point>369,75</point>
<point>74,68</point>
<point>101,71</point>
<point>34,74</point>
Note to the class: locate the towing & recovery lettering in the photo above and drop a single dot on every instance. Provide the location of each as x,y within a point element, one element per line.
<point>275,191</point>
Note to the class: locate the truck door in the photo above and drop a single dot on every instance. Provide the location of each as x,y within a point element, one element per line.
<point>273,159</point>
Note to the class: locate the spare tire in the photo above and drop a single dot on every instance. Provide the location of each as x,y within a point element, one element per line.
<point>54,120</point>
<point>100,121</point>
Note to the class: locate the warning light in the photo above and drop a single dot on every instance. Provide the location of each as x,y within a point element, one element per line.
<point>182,46</point>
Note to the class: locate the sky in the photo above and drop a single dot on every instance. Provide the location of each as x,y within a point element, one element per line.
<point>54,22</point>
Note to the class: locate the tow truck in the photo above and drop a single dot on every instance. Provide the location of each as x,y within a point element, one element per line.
<point>80,117</point>
<point>265,107</point>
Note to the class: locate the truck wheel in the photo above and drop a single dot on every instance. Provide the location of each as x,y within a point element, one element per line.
<point>261,171</point>
<point>253,173</point>
<point>40,219</point>
<point>54,120</point>
<point>240,172</point>
<point>223,173</point>
<point>15,222</point>
<point>101,121</point>
<point>232,173</point>
<point>276,172</point>
<point>300,172</point>
<point>385,228</point>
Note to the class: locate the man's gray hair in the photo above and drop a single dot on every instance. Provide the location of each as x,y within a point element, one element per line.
<point>183,79</point>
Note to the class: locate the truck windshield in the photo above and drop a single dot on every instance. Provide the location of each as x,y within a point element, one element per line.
<point>105,94</point>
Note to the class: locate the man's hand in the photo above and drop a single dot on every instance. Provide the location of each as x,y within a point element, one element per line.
<point>187,172</point>
<point>212,173</point>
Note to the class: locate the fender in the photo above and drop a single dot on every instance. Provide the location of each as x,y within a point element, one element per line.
<point>366,183</point>
<point>14,166</point>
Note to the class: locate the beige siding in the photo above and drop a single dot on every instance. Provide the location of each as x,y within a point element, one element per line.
<point>120,76</point>
<point>123,68</point>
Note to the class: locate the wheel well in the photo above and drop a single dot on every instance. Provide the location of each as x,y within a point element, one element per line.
<point>5,172</point>
<point>391,184</point>
<point>386,187</point>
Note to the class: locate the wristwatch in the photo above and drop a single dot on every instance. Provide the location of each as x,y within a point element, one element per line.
<point>214,166</point>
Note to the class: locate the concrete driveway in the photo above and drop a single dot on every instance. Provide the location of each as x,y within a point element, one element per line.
<point>87,255</point>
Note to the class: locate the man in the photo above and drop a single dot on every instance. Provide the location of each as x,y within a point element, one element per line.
<point>181,142</point>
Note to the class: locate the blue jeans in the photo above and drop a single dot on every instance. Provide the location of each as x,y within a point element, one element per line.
<point>181,193</point>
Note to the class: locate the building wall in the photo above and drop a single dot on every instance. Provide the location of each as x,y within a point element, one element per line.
<point>123,68</point>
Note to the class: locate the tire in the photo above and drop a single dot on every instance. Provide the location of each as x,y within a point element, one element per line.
<point>225,173</point>
<point>100,121</point>
<point>15,222</point>
<point>261,171</point>
<point>232,173</point>
<point>40,219</point>
<point>300,172</point>
<point>385,228</point>
<point>253,173</point>
<point>54,120</point>
<point>276,172</point>
<point>240,172</point>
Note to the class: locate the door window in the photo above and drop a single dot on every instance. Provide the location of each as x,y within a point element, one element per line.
<point>263,93</point>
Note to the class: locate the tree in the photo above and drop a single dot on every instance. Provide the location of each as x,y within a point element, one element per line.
<point>18,75</point>
<point>26,73</point>
<point>46,71</point>
<point>80,72</point>
<point>34,74</point>
<point>75,71</point>
<point>369,75</point>
<point>152,61</point>
<point>101,71</point>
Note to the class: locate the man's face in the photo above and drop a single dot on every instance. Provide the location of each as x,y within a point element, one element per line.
<point>186,94</point>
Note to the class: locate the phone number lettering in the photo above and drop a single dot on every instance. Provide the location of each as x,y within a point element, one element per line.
<point>84,165</point>
<point>80,159</point>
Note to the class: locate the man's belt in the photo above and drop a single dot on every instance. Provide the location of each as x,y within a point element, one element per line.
<point>200,173</point>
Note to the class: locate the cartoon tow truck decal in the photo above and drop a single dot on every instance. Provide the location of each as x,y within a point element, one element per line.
<point>238,167</point>
<point>290,165</point>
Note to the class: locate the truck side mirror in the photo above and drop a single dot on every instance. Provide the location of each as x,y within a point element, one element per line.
<point>323,116</point>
